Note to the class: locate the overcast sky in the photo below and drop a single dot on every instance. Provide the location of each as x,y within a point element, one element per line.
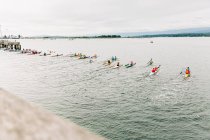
<point>81,17</point>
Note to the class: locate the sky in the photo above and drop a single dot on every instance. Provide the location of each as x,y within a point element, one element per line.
<point>89,17</point>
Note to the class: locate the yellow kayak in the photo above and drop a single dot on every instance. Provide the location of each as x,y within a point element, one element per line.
<point>187,75</point>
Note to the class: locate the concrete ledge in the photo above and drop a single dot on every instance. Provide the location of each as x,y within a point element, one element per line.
<point>20,120</point>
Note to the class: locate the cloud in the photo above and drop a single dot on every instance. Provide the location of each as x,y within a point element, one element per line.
<point>80,17</point>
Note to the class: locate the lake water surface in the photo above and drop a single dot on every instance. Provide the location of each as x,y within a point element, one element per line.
<point>119,104</point>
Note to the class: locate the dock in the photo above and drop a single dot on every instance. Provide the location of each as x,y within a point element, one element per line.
<point>10,45</point>
<point>21,120</point>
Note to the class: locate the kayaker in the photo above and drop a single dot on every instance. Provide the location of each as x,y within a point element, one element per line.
<point>131,63</point>
<point>153,70</point>
<point>118,64</point>
<point>187,71</point>
<point>95,56</point>
<point>91,61</point>
<point>115,58</point>
<point>109,62</point>
<point>112,58</point>
<point>156,68</point>
<point>150,62</point>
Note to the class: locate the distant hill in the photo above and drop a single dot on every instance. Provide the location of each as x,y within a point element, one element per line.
<point>190,32</point>
<point>204,30</point>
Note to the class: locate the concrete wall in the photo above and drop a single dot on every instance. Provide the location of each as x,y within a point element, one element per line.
<point>20,120</point>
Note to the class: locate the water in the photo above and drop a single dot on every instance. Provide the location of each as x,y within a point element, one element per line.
<point>118,103</point>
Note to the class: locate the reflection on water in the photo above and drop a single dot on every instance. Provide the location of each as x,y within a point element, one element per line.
<point>118,103</point>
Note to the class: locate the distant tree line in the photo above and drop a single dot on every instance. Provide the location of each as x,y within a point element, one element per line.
<point>108,36</point>
<point>75,37</point>
<point>118,36</point>
<point>175,35</point>
<point>100,36</point>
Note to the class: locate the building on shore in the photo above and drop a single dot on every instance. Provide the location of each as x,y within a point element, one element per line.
<point>10,45</point>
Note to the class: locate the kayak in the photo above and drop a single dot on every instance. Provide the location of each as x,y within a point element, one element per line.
<point>84,57</point>
<point>154,73</point>
<point>187,75</point>
<point>31,54</point>
<point>94,57</point>
<point>69,55</point>
<point>34,53</point>
<point>116,67</point>
<point>149,63</point>
<point>44,54</point>
<point>73,55</point>
<point>91,61</point>
<point>11,50</point>
<point>57,55</point>
<point>107,64</point>
<point>129,65</point>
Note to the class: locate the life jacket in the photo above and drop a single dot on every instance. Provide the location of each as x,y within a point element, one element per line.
<point>187,72</point>
<point>153,70</point>
<point>156,68</point>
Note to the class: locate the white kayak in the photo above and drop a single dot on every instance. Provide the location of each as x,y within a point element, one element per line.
<point>57,55</point>
<point>116,67</point>
<point>154,73</point>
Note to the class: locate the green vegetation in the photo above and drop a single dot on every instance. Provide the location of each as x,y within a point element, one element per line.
<point>118,36</point>
<point>174,35</point>
<point>108,36</point>
<point>74,37</point>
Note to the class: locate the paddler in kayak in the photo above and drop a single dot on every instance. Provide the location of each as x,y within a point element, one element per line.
<point>187,72</point>
<point>112,58</point>
<point>91,61</point>
<point>94,56</point>
<point>115,58</point>
<point>150,62</point>
<point>118,64</point>
<point>131,64</point>
<point>109,62</point>
<point>155,69</point>
<point>158,67</point>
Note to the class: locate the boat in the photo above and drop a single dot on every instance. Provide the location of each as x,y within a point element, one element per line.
<point>45,54</point>
<point>94,56</point>
<point>187,75</point>
<point>83,57</point>
<point>129,65</point>
<point>107,64</point>
<point>73,55</point>
<point>57,55</point>
<point>154,73</point>
<point>91,61</point>
<point>11,50</point>
<point>116,67</point>
<point>150,63</point>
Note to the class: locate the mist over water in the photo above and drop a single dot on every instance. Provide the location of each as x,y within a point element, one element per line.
<point>118,103</point>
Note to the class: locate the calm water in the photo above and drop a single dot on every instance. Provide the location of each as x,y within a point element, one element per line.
<point>118,103</point>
